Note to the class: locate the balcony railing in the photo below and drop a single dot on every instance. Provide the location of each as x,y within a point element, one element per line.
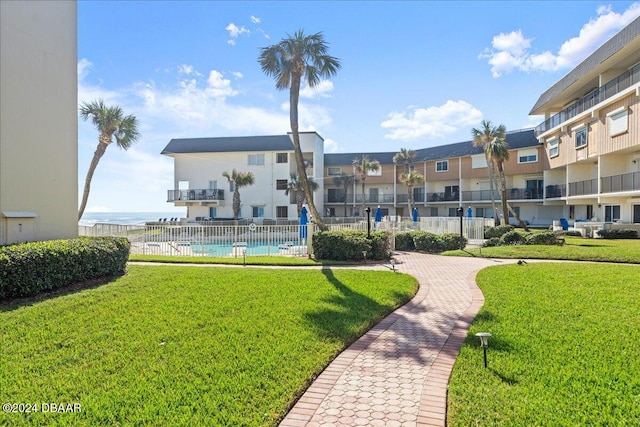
<point>623,182</point>
<point>194,195</point>
<point>524,193</point>
<point>555,191</point>
<point>442,197</point>
<point>583,188</point>
<point>375,198</point>
<point>478,195</point>
<point>609,89</point>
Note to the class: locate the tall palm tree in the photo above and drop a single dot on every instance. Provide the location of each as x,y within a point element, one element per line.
<point>239,180</point>
<point>294,58</point>
<point>498,151</point>
<point>111,123</point>
<point>404,157</point>
<point>295,186</point>
<point>411,179</point>
<point>363,167</point>
<point>481,138</point>
<point>345,181</point>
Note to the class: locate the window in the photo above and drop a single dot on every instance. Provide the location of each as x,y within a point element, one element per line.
<point>281,184</point>
<point>213,185</point>
<point>213,212</point>
<point>377,172</point>
<point>442,166</point>
<point>418,195</point>
<point>256,159</point>
<point>479,161</point>
<point>581,138</point>
<point>232,186</point>
<point>618,122</point>
<point>334,171</point>
<point>282,212</point>
<point>480,212</point>
<point>433,211</point>
<point>408,168</point>
<point>282,158</point>
<point>528,156</point>
<point>554,147</point>
<point>335,195</point>
<point>516,209</point>
<point>611,213</point>
<point>257,211</point>
<point>453,211</point>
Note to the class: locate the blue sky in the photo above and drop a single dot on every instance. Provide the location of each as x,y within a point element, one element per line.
<point>414,74</point>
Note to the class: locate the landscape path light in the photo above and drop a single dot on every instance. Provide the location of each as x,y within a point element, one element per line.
<point>484,341</point>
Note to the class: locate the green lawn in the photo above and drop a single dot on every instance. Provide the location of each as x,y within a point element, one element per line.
<point>576,248</point>
<point>565,349</point>
<point>172,345</point>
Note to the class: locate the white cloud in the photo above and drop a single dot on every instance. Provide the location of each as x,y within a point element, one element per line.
<point>511,51</point>
<point>90,92</point>
<point>322,90</point>
<point>255,19</point>
<point>237,74</point>
<point>234,32</point>
<point>331,146</point>
<point>431,122</point>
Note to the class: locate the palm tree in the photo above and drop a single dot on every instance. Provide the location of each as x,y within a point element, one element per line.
<point>291,60</point>
<point>481,138</point>
<point>295,186</point>
<point>404,157</point>
<point>239,180</point>
<point>498,151</point>
<point>411,179</point>
<point>345,181</point>
<point>363,167</point>
<point>111,123</point>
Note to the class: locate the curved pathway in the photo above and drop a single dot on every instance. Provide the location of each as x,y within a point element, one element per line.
<point>397,373</point>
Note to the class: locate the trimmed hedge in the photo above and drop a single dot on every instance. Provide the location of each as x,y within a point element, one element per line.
<point>349,245</point>
<point>424,241</point>
<point>618,234</point>
<point>516,238</point>
<point>27,269</point>
<point>498,231</point>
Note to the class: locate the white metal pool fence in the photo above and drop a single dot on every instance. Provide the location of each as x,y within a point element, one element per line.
<point>197,239</point>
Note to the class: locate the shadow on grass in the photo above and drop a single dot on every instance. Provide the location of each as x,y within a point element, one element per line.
<point>16,303</point>
<point>503,378</point>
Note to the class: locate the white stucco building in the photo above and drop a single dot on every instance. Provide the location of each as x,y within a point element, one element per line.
<point>39,121</point>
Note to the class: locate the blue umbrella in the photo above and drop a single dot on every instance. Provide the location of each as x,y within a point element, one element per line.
<point>303,223</point>
<point>378,214</point>
<point>415,214</point>
<point>469,212</point>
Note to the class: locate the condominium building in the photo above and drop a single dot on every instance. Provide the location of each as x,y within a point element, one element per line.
<point>456,175</point>
<point>591,134</point>
<point>39,116</point>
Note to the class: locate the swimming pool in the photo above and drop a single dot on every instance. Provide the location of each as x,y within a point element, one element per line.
<point>252,249</point>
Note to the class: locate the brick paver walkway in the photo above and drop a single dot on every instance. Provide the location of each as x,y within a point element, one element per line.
<point>397,373</point>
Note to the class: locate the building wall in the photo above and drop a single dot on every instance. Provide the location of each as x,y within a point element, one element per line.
<point>39,116</point>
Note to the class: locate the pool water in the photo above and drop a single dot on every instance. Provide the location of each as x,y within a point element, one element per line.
<point>252,249</point>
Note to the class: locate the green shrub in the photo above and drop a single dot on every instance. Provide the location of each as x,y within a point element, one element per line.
<point>404,241</point>
<point>494,241</point>
<point>428,242</point>
<point>546,238</point>
<point>453,241</point>
<point>512,238</point>
<point>27,269</point>
<point>498,231</point>
<point>573,233</point>
<point>348,245</point>
<point>618,234</point>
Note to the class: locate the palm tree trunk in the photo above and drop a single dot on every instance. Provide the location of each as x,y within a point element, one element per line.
<point>492,186</point>
<point>410,199</point>
<point>236,203</point>
<point>503,193</point>
<point>346,188</point>
<point>363,197</point>
<point>97,155</point>
<point>299,202</point>
<point>294,95</point>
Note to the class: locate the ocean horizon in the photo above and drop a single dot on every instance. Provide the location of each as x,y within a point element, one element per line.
<point>125,218</point>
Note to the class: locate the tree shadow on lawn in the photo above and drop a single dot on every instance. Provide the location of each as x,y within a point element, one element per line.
<point>410,338</point>
<point>16,303</point>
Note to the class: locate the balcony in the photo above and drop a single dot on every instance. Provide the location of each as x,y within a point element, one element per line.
<point>583,188</point>
<point>442,197</point>
<point>623,182</point>
<point>375,198</point>
<point>609,89</point>
<point>524,193</point>
<point>195,195</point>
<point>556,191</point>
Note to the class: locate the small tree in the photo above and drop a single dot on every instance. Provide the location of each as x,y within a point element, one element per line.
<point>295,186</point>
<point>239,180</point>
<point>345,181</point>
<point>411,179</point>
<point>363,167</point>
